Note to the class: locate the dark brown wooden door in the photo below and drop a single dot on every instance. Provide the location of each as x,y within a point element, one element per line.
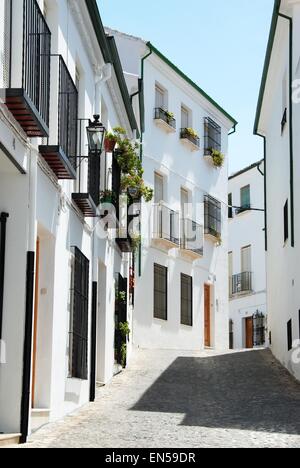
<point>249,333</point>
<point>207,324</point>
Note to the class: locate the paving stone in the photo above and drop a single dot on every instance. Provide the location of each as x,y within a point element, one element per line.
<point>174,399</point>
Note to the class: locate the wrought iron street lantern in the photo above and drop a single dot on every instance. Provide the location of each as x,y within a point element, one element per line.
<point>96,133</point>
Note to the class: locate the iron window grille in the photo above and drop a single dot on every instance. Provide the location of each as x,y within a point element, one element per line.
<point>186,300</point>
<point>186,135</point>
<point>242,283</point>
<point>161,114</point>
<point>36,58</point>
<point>79,316</point>
<point>192,237</point>
<point>166,224</point>
<point>212,136</point>
<point>160,292</point>
<point>212,216</point>
<point>259,329</point>
<point>67,113</point>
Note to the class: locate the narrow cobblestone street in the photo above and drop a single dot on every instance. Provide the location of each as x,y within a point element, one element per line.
<point>185,400</point>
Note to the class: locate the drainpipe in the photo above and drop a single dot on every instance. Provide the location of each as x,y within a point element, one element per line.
<point>233,130</point>
<point>265,189</point>
<point>142,130</point>
<point>3,221</point>
<point>27,352</point>
<point>291,60</point>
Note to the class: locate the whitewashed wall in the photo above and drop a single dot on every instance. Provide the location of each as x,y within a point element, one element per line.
<point>247,229</point>
<point>181,168</point>
<point>283,278</point>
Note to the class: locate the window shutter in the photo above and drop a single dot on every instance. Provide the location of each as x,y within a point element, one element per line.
<point>79,318</point>
<point>246,259</point>
<point>160,292</point>
<point>159,97</point>
<point>245,197</point>
<point>184,118</point>
<point>158,188</point>
<point>186,300</point>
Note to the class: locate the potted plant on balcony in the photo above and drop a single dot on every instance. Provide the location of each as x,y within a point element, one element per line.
<point>170,117</point>
<point>107,196</point>
<point>215,157</point>
<point>112,138</point>
<point>192,133</point>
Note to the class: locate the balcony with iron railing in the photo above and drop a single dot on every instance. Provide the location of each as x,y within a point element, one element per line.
<point>165,120</point>
<point>212,218</point>
<point>27,94</point>
<point>241,283</point>
<point>243,209</point>
<point>192,239</point>
<point>191,140</point>
<point>60,152</point>
<point>166,227</point>
<point>88,164</point>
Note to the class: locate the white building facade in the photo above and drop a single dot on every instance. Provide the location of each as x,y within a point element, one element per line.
<point>61,268</point>
<point>246,258</point>
<point>277,121</point>
<point>182,283</point>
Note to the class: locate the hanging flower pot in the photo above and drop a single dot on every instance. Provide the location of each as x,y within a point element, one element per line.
<point>110,144</point>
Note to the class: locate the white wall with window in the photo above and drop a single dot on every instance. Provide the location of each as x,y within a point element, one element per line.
<point>73,252</point>
<point>187,178</point>
<point>282,184</point>
<point>247,268</point>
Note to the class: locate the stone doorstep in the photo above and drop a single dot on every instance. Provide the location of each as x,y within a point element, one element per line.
<point>39,418</point>
<point>7,440</point>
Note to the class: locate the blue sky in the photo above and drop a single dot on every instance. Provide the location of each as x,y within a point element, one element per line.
<point>220,44</point>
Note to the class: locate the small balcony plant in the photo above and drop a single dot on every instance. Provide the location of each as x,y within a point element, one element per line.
<point>216,157</point>
<point>170,117</point>
<point>112,138</point>
<point>191,135</point>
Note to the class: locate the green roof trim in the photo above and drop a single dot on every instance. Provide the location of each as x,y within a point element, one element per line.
<point>191,82</point>
<point>277,4</point>
<point>111,55</point>
<point>246,169</point>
